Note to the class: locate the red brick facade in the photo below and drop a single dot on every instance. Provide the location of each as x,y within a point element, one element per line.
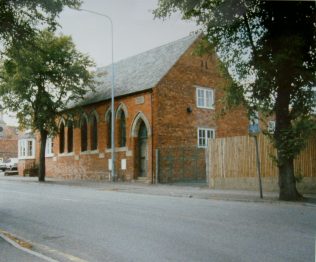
<point>94,164</point>
<point>170,114</point>
<point>8,142</point>
<point>176,92</point>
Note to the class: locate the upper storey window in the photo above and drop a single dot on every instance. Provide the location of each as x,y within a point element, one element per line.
<point>204,97</point>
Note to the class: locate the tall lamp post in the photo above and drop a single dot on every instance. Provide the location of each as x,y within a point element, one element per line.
<point>113,175</point>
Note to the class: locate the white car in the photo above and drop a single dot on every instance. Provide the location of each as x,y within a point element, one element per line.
<point>9,164</point>
<point>2,166</point>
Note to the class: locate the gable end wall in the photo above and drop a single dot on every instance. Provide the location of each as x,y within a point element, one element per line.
<point>173,125</point>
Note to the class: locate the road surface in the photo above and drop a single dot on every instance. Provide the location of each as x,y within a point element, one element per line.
<point>86,224</point>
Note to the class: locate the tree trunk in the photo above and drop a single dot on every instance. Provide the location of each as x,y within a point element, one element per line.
<point>41,169</point>
<point>287,182</point>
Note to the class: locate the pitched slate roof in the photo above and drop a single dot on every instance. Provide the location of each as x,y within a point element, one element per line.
<point>140,72</point>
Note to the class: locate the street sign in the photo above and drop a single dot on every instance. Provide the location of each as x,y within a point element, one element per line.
<point>253,129</point>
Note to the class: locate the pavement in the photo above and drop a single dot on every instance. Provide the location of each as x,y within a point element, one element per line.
<point>192,190</point>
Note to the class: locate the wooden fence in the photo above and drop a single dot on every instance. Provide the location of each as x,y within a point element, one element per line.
<point>235,157</point>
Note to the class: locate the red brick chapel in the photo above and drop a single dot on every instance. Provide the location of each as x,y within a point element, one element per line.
<point>164,97</point>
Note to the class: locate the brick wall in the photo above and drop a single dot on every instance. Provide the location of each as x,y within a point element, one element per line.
<point>8,148</point>
<point>25,164</point>
<point>173,125</point>
<point>94,164</point>
<point>9,143</point>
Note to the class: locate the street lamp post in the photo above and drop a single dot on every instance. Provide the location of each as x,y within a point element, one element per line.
<point>113,176</point>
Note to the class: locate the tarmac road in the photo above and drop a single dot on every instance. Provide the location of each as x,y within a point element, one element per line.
<point>88,224</point>
<point>9,253</point>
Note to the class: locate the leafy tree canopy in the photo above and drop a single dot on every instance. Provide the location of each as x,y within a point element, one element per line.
<point>40,78</point>
<point>270,49</point>
<point>18,19</point>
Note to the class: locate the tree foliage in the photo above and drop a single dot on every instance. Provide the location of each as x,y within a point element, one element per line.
<point>270,49</point>
<point>39,79</point>
<point>19,19</point>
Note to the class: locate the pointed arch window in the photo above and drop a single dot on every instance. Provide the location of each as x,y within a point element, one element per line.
<point>70,136</point>
<point>94,133</point>
<point>122,130</point>
<point>84,134</point>
<point>62,138</point>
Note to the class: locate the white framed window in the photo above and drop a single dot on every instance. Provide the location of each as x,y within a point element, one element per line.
<point>49,147</point>
<point>22,151</point>
<point>203,135</point>
<point>204,97</point>
<point>29,148</point>
<point>26,149</point>
<point>271,127</point>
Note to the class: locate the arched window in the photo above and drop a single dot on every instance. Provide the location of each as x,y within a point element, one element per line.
<point>142,132</point>
<point>84,134</point>
<point>94,133</point>
<point>122,131</point>
<point>61,138</point>
<point>70,136</point>
<point>109,135</point>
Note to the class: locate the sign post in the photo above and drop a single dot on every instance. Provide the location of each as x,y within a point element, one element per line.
<point>254,130</point>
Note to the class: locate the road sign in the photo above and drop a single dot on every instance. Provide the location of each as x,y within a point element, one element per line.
<point>254,129</point>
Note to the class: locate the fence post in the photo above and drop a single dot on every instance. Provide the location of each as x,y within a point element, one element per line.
<point>157,165</point>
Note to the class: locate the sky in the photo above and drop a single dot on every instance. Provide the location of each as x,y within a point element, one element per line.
<point>134,29</point>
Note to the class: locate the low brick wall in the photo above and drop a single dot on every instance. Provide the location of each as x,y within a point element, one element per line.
<point>25,164</point>
<point>269,184</point>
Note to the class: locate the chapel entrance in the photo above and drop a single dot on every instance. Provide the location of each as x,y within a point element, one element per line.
<point>142,149</point>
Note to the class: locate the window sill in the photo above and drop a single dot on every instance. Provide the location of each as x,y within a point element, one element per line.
<point>26,158</point>
<point>65,154</point>
<point>202,107</point>
<point>90,152</point>
<point>49,156</point>
<point>93,152</point>
<point>117,149</point>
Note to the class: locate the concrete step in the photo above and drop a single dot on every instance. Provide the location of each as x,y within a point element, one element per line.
<point>145,180</point>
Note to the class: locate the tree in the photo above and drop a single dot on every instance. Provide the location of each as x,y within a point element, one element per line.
<point>39,80</point>
<point>270,49</point>
<point>19,19</point>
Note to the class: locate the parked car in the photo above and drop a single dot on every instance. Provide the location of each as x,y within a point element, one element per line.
<point>9,164</point>
<point>2,166</point>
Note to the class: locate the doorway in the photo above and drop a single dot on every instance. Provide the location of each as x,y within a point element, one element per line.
<point>142,149</point>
